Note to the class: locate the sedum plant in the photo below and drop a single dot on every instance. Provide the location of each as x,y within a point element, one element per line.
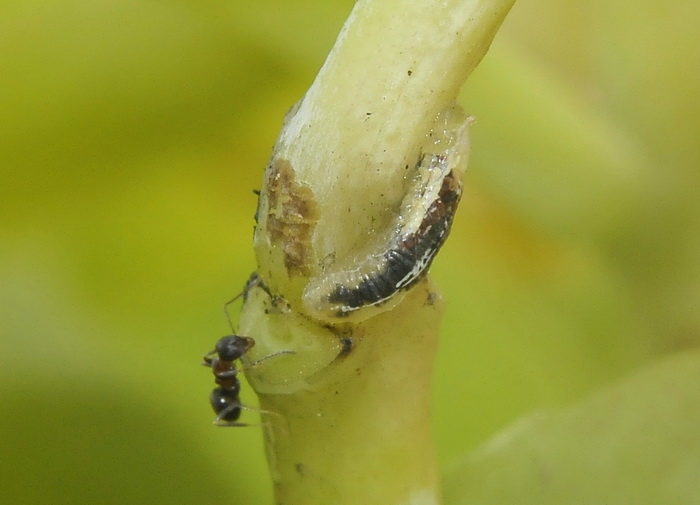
<point>357,198</point>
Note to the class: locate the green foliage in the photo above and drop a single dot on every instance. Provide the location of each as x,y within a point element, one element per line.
<point>635,442</point>
<point>132,135</point>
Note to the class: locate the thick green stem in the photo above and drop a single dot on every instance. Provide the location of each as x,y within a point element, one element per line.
<point>349,410</point>
<point>356,431</point>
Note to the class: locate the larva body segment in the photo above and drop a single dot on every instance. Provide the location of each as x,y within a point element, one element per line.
<point>378,277</point>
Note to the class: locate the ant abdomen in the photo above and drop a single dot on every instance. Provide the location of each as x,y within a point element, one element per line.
<point>226,403</point>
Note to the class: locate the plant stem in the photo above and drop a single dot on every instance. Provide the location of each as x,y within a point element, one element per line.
<point>350,422</point>
<point>355,430</point>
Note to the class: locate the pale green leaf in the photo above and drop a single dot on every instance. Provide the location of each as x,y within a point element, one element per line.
<point>636,442</point>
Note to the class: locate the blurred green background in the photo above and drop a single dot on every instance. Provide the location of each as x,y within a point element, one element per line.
<point>133,133</point>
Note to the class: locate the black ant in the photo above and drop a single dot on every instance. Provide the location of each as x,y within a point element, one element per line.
<point>225,399</point>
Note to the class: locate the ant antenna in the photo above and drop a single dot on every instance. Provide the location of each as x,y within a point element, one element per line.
<point>228,315</point>
<point>265,358</point>
<point>253,280</point>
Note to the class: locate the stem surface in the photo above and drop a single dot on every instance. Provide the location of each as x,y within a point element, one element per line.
<point>349,410</point>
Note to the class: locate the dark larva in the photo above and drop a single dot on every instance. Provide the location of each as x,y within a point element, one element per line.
<point>422,226</point>
<point>401,266</point>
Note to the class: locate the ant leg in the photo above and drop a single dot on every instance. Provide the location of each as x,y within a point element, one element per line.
<point>208,358</point>
<point>221,420</point>
<point>252,281</point>
<point>222,423</point>
<point>265,358</point>
<point>228,424</point>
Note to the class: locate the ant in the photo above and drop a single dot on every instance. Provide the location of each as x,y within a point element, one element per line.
<point>225,399</point>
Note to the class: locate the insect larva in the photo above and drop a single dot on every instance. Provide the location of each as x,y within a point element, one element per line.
<point>350,288</point>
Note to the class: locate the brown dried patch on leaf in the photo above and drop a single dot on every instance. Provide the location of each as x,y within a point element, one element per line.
<point>292,217</point>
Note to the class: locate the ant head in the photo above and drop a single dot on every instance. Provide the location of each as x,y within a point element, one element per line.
<point>232,347</point>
